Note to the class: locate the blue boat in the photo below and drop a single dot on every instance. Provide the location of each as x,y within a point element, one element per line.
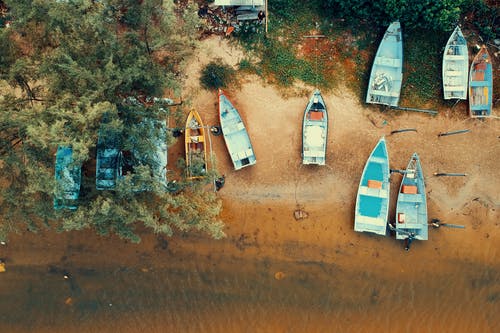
<point>387,70</point>
<point>68,176</point>
<point>235,134</point>
<point>411,208</point>
<point>315,131</point>
<point>481,85</point>
<point>372,202</point>
<point>107,161</point>
<point>455,66</point>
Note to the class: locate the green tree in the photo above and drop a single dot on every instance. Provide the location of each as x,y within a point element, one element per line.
<point>67,63</point>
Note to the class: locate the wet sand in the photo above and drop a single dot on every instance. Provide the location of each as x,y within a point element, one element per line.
<point>273,273</point>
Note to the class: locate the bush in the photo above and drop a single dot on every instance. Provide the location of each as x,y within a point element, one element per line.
<point>216,75</point>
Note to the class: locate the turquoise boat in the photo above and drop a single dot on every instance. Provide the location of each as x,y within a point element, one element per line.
<point>107,160</point>
<point>372,202</point>
<point>455,66</point>
<point>315,131</point>
<point>68,176</point>
<point>411,208</point>
<point>481,85</point>
<point>235,134</point>
<point>387,71</point>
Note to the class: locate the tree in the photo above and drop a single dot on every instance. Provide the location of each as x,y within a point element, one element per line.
<point>427,14</point>
<point>68,63</point>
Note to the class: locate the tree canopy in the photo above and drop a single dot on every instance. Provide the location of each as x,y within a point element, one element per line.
<point>65,64</point>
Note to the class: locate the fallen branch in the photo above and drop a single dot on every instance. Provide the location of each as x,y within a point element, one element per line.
<point>453,132</point>
<point>403,130</point>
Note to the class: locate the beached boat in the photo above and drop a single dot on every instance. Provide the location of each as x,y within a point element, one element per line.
<point>235,134</point>
<point>68,178</point>
<point>150,151</point>
<point>315,131</point>
<point>411,208</point>
<point>481,85</point>
<point>196,152</point>
<point>372,202</point>
<point>387,71</point>
<point>455,66</point>
<point>107,160</point>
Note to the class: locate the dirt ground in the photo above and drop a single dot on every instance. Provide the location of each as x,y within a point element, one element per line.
<point>259,201</point>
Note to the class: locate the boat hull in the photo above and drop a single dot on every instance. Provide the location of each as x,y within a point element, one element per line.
<point>235,134</point>
<point>195,145</point>
<point>481,85</point>
<point>315,131</point>
<point>372,201</point>
<point>411,207</point>
<point>455,66</point>
<point>387,71</point>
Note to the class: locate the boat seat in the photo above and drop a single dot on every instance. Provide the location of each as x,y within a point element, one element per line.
<point>454,57</point>
<point>376,221</point>
<point>477,76</point>
<point>316,115</point>
<point>314,153</point>
<point>476,83</point>
<point>244,154</point>
<point>454,73</point>
<point>389,62</point>
<point>379,160</point>
<point>455,88</point>
<point>373,192</point>
<point>413,198</point>
<point>385,93</point>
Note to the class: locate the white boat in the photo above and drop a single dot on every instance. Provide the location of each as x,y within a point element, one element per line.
<point>455,66</point>
<point>315,131</point>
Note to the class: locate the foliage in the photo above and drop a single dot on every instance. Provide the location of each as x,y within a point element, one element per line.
<point>427,14</point>
<point>217,75</point>
<point>69,63</point>
<point>484,18</point>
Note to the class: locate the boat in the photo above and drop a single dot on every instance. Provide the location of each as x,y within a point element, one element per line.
<point>455,66</point>
<point>151,151</point>
<point>411,207</point>
<point>387,71</point>
<point>481,85</point>
<point>315,131</point>
<point>372,202</point>
<point>196,153</point>
<point>108,155</point>
<point>68,176</point>
<point>235,134</point>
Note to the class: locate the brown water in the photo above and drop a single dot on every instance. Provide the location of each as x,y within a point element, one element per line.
<point>168,291</point>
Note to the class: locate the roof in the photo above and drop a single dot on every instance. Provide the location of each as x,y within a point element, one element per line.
<point>239,2</point>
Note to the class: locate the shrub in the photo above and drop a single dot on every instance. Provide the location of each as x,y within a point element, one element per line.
<point>216,75</point>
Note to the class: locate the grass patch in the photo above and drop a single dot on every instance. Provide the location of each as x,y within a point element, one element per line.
<point>422,82</point>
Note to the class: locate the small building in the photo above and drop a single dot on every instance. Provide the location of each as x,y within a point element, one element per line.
<point>244,10</point>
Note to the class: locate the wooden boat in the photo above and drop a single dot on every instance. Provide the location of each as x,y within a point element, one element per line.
<point>68,178</point>
<point>196,152</point>
<point>235,134</point>
<point>387,71</point>
<point>481,85</point>
<point>372,202</point>
<point>315,131</point>
<point>107,159</point>
<point>455,66</point>
<point>411,208</point>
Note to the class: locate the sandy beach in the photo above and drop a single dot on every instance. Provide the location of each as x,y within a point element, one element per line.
<point>312,275</point>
